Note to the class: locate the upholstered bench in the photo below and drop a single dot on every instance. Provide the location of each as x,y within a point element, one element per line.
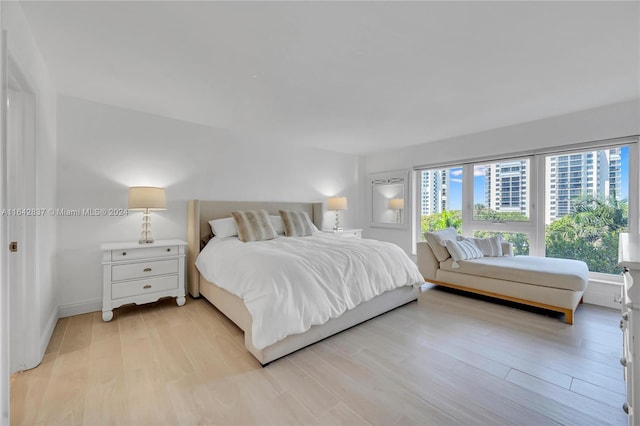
<point>553,284</point>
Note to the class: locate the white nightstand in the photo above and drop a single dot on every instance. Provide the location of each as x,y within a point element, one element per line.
<point>142,273</point>
<point>347,233</point>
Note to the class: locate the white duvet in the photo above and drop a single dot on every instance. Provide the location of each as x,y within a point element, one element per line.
<point>291,283</point>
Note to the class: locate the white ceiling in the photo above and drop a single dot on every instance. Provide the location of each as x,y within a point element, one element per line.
<point>355,77</point>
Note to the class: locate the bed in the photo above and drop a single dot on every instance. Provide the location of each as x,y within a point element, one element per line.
<point>201,212</point>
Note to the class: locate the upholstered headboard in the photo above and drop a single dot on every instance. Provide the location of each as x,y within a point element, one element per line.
<point>200,212</point>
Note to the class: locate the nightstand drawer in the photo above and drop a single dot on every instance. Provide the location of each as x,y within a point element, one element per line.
<point>354,233</point>
<point>143,253</point>
<point>137,287</point>
<point>144,269</point>
<point>347,233</point>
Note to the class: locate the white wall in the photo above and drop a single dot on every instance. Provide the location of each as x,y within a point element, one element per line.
<point>102,150</point>
<point>606,122</point>
<point>26,54</point>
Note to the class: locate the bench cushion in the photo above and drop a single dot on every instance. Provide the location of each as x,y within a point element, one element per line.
<point>565,274</point>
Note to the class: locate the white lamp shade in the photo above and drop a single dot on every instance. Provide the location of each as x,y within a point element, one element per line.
<point>147,197</point>
<point>396,203</point>
<point>337,203</point>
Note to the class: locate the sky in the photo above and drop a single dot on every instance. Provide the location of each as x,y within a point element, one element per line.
<point>455,183</point>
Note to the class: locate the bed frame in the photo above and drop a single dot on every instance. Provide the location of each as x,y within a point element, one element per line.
<point>201,212</point>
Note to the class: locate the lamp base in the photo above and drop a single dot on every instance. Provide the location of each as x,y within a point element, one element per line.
<point>337,227</point>
<point>145,237</point>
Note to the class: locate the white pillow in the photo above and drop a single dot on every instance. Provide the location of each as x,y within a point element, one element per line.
<point>276,222</point>
<point>462,250</point>
<point>490,247</point>
<point>436,242</point>
<point>222,228</point>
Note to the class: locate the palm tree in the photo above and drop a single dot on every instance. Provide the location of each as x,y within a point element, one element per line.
<point>595,218</point>
<point>589,233</point>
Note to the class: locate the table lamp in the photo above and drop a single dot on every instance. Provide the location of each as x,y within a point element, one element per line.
<point>397,204</point>
<point>147,198</point>
<point>337,204</point>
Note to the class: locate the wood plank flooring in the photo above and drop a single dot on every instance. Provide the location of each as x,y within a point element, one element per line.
<point>447,359</point>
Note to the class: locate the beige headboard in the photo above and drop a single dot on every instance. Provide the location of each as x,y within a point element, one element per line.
<point>200,212</point>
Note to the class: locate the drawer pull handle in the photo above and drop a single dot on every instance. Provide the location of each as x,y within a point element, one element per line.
<point>147,269</point>
<point>625,407</point>
<point>147,286</point>
<point>168,249</point>
<point>124,253</point>
<point>623,361</point>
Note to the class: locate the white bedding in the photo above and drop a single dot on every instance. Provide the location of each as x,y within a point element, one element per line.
<point>291,283</point>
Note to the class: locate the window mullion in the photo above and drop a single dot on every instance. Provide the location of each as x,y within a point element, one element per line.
<point>540,191</point>
<point>634,188</point>
<point>467,200</point>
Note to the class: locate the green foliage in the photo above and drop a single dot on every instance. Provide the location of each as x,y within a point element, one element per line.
<point>480,212</point>
<point>438,221</point>
<point>589,233</point>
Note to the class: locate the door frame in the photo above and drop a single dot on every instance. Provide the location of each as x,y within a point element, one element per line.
<point>4,241</point>
<point>24,295</point>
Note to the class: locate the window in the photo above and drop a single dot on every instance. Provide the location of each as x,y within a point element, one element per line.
<point>593,212</point>
<point>499,191</point>
<point>578,213</point>
<point>441,205</point>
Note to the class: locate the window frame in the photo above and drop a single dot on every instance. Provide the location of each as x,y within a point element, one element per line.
<point>535,227</point>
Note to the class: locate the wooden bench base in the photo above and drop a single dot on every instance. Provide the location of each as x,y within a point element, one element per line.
<point>568,313</point>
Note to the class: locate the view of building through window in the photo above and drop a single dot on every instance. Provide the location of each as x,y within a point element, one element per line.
<point>585,197</point>
<point>501,191</point>
<point>441,205</point>
<point>586,206</point>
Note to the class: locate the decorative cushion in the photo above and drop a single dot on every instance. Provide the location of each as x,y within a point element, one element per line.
<point>436,242</point>
<point>225,227</point>
<point>490,247</point>
<point>254,225</point>
<point>296,223</point>
<point>462,250</point>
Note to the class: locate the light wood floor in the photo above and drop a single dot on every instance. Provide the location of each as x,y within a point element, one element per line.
<point>447,359</point>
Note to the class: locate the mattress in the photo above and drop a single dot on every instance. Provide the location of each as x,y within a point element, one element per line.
<point>564,274</point>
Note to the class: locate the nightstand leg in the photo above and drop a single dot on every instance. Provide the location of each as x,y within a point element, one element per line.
<point>107,316</point>
<point>180,300</point>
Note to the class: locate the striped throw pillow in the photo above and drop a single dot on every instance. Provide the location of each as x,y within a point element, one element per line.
<point>490,247</point>
<point>254,225</point>
<point>296,223</point>
<point>462,250</point>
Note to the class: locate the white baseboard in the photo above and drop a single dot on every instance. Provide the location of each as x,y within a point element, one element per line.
<point>79,308</point>
<point>46,334</point>
<point>603,294</point>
